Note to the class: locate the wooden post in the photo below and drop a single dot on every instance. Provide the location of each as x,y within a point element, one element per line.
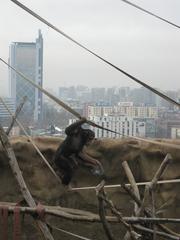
<point>18,175</point>
<point>135,189</point>
<point>148,212</point>
<point>100,193</point>
<point>103,197</point>
<point>132,181</point>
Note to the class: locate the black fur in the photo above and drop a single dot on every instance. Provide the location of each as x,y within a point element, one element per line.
<point>66,157</point>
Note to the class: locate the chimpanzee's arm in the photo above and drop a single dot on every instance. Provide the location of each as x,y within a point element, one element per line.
<point>70,129</point>
<point>88,159</point>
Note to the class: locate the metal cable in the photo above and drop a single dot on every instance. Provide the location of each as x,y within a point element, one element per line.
<point>128,184</point>
<point>150,13</point>
<point>58,101</point>
<point>70,233</point>
<point>95,54</point>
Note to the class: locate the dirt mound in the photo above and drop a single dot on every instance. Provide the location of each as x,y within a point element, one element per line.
<point>144,159</point>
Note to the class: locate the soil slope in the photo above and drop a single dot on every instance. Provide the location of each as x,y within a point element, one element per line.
<point>144,159</point>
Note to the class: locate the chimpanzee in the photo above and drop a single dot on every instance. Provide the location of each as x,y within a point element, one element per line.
<point>70,153</point>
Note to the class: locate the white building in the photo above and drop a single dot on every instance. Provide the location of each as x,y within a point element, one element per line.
<point>10,103</point>
<point>175,133</point>
<point>122,110</point>
<point>94,111</point>
<point>127,126</point>
<point>125,104</point>
<point>139,112</point>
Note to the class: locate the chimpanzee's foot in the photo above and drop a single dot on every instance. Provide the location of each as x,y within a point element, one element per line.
<point>96,170</point>
<point>67,188</point>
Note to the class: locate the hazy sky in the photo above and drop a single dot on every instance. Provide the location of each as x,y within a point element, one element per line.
<point>138,43</point>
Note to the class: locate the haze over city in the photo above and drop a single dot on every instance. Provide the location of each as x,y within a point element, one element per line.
<point>140,44</point>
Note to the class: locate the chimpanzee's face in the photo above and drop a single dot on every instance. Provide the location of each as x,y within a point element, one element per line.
<point>88,136</point>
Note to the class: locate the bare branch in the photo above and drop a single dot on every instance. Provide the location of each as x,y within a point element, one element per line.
<point>147,230</point>
<point>100,195</point>
<point>132,181</point>
<point>147,211</point>
<point>160,171</point>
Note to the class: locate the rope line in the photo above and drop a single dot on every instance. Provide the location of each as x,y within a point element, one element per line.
<point>73,111</point>
<point>95,54</point>
<point>62,104</point>
<point>70,233</point>
<point>32,142</point>
<point>58,101</point>
<point>128,184</point>
<point>151,13</point>
<point>137,138</point>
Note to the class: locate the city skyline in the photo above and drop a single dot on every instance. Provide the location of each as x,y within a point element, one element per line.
<point>145,47</point>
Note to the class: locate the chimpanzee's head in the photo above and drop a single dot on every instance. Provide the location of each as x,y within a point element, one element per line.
<point>88,136</point>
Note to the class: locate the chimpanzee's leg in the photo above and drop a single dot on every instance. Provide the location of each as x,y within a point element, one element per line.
<point>67,167</point>
<point>67,174</point>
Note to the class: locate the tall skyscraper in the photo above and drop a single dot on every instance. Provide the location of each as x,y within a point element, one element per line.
<point>27,57</point>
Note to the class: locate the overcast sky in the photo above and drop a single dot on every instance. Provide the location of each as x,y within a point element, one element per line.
<point>136,42</point>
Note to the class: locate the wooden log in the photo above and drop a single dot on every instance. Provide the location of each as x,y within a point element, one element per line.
<point>85,216</point>
<point>162,234</point>
<point>132,181</point>
<point>100,193</point>
<point>160,171</point>
<point>148,212</point>
<point>103,197</point>
<point>20,180</point>
<point>151,187</point>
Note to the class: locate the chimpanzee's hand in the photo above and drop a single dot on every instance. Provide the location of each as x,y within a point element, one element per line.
<point>83,119</point>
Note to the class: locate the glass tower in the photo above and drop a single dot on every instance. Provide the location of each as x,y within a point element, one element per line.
<point>27,57</point>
